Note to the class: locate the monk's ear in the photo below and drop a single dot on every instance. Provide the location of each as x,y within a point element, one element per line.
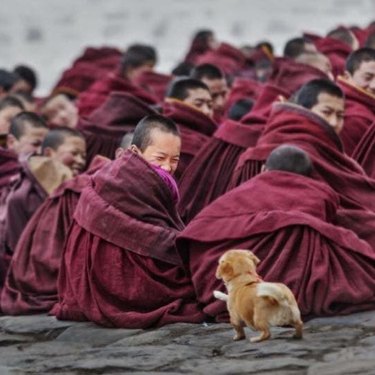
<point>135,149</point>
<point>48,151</point>
<point>347,75</point>
<point>11,140</point>
<point>224,270</point>
<point>119,152</point>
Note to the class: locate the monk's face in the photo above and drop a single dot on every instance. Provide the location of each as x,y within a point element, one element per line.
<point>6,116</point>
<point>331,109</point>
<point>29,142</point>
<point>61,111</point>
<point>364,77</point>
<point>72,153</point>
<point>219,92</point>
<point>163,151</point>
<point>201,100</point>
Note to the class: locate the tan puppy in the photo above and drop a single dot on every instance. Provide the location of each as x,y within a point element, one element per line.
<point>252,302</point>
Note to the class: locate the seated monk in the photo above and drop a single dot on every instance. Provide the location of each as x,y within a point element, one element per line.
<point>9,107</point>
<point>63,151</point>
<point>358,85</point>
<point>313,124</point>
<point>287,219</point>
<point>31,281</point>
<point>136,60</point>
<point>121,267</point>
<point>188,103</point>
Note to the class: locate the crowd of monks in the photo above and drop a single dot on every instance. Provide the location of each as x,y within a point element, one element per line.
<point>121,189</point>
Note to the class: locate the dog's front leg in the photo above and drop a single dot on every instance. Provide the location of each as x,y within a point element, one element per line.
<point>238,327</point>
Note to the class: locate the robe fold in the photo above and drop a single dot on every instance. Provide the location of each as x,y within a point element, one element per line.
<point>359,114</point>
<point>97,93</point>
<point>195,127</point>
<point>155,83</point>
<point>120,266</point>
<point>31,282</point>
<point>287,221</point>
<point>209,173</point>
<point>364,152</point>
<point>295,125</point>
<point>105,127</point>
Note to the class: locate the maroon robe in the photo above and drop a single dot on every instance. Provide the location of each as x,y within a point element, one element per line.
<point>208,175</point>
<point>155,83</point>
<point>31,282</point>
<point>195,127</point>
<point>337,52</point>
<point>106,126</point>
<point>286,220</point>
<point>121,267</point>
<point>97,93</point>
<point>359,115</point>
<point>295,125</point>
<point>107,58</point>
<point>364,152</point>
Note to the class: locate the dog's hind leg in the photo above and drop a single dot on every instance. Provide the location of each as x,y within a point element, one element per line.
<point>262,326</point>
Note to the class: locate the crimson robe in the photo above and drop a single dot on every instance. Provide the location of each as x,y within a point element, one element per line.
<point>287,221</point>
<point>106,126</point>
<point>155,83</point>
<point>31,282</point>
<point>364,152</point>
<point>107,58</point>
<point>359,114</point>
<point>121,267</point>
<point>295,125</point>
<point>195,127</point>
<point>97,93</point>
<point>209,173</point>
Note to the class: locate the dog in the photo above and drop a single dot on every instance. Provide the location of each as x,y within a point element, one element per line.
<point>252,302</point>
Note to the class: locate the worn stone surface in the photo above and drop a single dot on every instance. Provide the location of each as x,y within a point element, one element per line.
<point>42,345</point>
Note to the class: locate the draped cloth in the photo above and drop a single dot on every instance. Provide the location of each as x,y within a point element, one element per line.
<point>98,92</point>
<point>31,283</point>
<point>121,267</point>
<point>209,173</point>
<point>359,114</point>
<point>287,221</point>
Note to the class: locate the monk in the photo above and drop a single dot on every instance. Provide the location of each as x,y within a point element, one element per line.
<point>136,60</point>
<point>60,110</point>
<point>287,219</point>
<point>63,153</point>
<point>358,84</point>
<point>189,103</point>
<point>296,46</point>
<point>7,81</point>
<point>27,80</point>
<point>215,80</point>
<point>121,267</point>
<point>9,107</point>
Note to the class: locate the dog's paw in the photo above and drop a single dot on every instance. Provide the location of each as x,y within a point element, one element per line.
<point>238,337</point>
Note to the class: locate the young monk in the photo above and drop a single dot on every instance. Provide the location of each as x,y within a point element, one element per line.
<point>136,60</point>
<point>60,110</point>
<point>9,107</point>
<point>120,266</point>
<point>358,84</point>
<point>288,220</point>
<point>215,80</point>
<point>189,103</point>
<point>63,153</point>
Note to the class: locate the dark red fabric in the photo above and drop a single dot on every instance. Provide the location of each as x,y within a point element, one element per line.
<point>155,83</point>
<point>243,88</point>
<point>208,175</point>
<point>77,79</point>
<point>106,126</point>
<point>9,166</point>
<point>121,267</point>
<point>107,58</point>
<point>31,283</point>
<point>195,127</point>
<point>97,93</point>
<point>364,153</point>
<point>359,115</point>
<point>287,221</point>
<point>228,58</point>
<point>290,75</point>
<point>295,125</point>
<point>360,34</point>
<point>337,52</point>
<point>198,47</point>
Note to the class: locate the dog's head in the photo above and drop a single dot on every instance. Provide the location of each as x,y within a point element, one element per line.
<point>236,262</point>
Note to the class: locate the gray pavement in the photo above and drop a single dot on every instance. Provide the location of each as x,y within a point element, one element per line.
<point>42,345</point>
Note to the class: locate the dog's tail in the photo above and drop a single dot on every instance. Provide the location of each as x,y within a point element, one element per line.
<point>220,295</point>
<point>275,292</point>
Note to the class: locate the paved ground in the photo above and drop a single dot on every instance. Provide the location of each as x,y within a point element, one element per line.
<point>43,345</point>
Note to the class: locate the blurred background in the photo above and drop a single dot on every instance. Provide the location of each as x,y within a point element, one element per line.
<point>49,34</point>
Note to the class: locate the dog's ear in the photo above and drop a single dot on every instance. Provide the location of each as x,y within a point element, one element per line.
<point>224,270</point>
<point>254,258</point>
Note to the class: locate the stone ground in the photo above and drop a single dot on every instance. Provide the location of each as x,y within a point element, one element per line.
<point>42,345</point>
